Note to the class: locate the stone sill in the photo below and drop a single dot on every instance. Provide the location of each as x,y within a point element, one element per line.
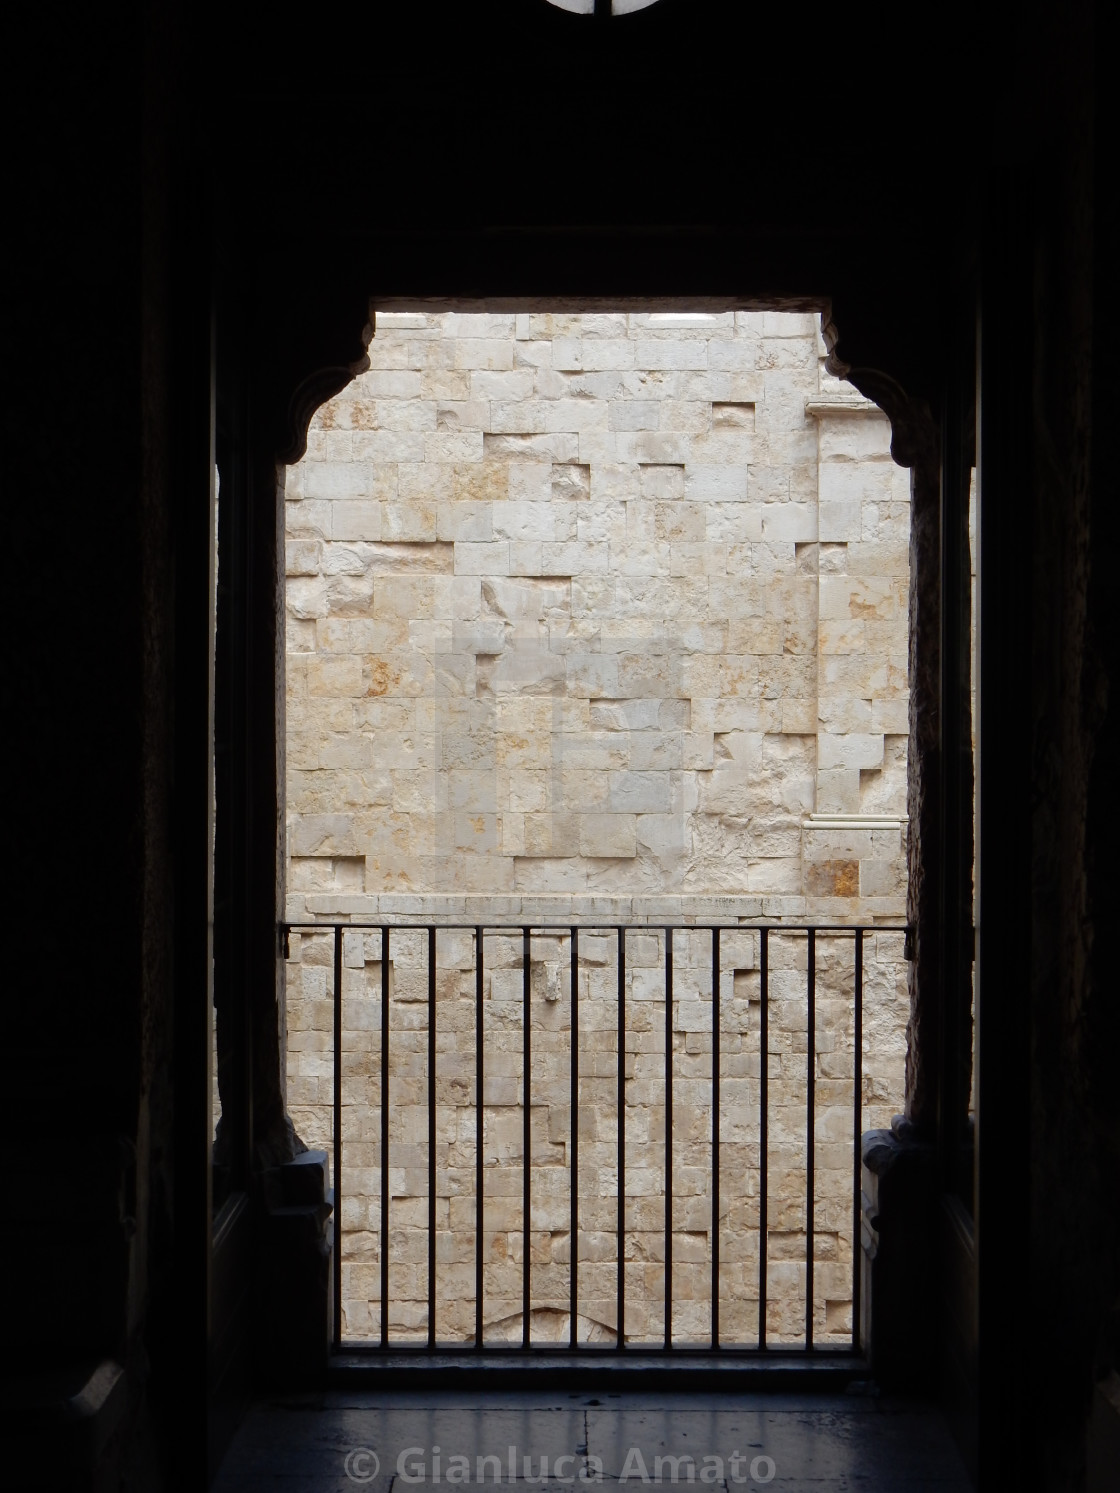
<point>585,909</point>
<point>856,821</point>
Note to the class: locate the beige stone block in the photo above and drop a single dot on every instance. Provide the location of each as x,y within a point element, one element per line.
<point>608,836</point>
<point>738,676</point>
<point>835,636</point>
<point>563,446</point>
<point>609,354</point>
<point>302,557</point>
<point>691,416</point>
<point>445,384</point>
<point>642,558</point>
<point>308,519</point>
<point>398,557</point>
<point>300,636</point>
<point>402,596</point>
<point>733,414</point>
<point>798,717</point>
<point>452,446</point>
<point>842,713</point>
<point>840,521</point>
<point>866,598</point>
<point>697,750</point>
<point>882,878</point>
<point>525,557</point>
<point>571,482</point>
<point>754,635</point>
<point>335,674</point>
<point>635,414</point>
<point>853,749</point>
<point>680,521</point>
<point>525,417</point>
<point>462,414</point>
<point>860,439</point>
<point>414,521</point>
<point>322,834</point>
<point>737,525</point>
<point>551,834</point>
<point>478,482</point>
<point>573,557</point>
<point>649,447</point>
<point>838,791</point>
<point>404,414</point>
<point>530,481</point>
<point>483,353</point>
<point>663,482</point>
<point>391,381</point>
<point>470,521</point>
<point>890,716</point>
<point>671,352</point>
<point>360,520</point>
<point>425,482</point>
<point>785,523</point>
<point>486,559</point>
<point>521,599</point>
<point>634,792</point>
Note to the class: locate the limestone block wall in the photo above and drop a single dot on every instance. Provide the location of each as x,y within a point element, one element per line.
<point>551,1145</point>
<point>595,618</point>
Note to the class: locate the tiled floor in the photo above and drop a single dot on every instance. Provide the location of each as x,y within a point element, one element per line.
<point>339,1441</point>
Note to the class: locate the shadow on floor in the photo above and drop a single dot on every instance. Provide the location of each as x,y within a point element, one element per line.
<point>339,1441</point>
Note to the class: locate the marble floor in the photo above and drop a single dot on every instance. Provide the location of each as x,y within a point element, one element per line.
<point>341,1440</point>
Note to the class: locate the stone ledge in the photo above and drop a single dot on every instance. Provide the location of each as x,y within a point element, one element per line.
<point>842,404</point>
<point>855,821</point>
<point>306,909</point>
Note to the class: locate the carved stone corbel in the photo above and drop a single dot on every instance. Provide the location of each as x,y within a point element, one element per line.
<point>314,390</point>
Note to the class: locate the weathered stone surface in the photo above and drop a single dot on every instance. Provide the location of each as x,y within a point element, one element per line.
<point>593,619</point>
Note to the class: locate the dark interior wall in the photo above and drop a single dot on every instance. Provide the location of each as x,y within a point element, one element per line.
<point>86,788</point>
<point>1049,1145</point>
<point>504,150</point>
<point>1074,1118</point>
<point>95,1237</point>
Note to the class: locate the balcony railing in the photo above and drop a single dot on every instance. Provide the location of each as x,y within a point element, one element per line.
<point>747,1101</point>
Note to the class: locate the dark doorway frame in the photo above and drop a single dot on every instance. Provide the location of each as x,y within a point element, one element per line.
<point>263,408</point>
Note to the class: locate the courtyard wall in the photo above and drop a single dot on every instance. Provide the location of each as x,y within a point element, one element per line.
<point>600,619</point>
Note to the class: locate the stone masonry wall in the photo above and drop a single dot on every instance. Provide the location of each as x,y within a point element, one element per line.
<point>596,618</point>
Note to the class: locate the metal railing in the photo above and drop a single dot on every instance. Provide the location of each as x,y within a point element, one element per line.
<point>857,934</point>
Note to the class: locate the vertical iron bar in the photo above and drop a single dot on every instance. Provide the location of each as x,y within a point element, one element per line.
<point>479,1130</point>
<point>385,1137</point>
<point>715,1138</point>
<point>810,1131</point>
<point>857,1141</point>
<point>621,1291</point>
<point>763,1123</point>
<point>431,1137</point>
<point>573,1268</point>
<point>668,1138</point>
<point>337,1135</point>
<point>526,974</point>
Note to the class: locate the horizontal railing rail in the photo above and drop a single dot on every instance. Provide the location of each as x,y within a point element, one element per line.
<point>766,932</point>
